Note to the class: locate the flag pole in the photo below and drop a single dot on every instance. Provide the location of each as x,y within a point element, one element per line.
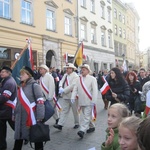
<point>13,65</point>
<point>76,53</point>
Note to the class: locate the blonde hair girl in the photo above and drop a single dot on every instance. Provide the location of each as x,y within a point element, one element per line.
<point>116,113</point>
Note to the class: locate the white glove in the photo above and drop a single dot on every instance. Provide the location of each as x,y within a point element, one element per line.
<point>61,90</point>
<point>72,101</point>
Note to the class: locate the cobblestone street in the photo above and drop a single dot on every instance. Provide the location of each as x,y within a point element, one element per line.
<point>67,139</point>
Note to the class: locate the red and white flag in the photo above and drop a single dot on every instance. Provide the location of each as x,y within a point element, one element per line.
<point>105,86</point>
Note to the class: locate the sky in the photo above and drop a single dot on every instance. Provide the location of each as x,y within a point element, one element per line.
<point>143,9</point>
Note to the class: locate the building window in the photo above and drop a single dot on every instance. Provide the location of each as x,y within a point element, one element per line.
<point>5,6</point>
<point>109,1</point>
<point>69,0</point>
<point>124,33</point>
<point>116,30</point>
<point>115,13</point>
<point>110,40</point>
<point>83,3</point>
<point>103,38</point>
<point>109,15</point>
<point>123,19</point>
<point>92,6</point>
<point>50,20</point>
<point>120,32</point>
<point>120,16</point>
<point>26,12</point>
<point>83,32</point>
<point>93,35</point>
<point>68,25</point>
<point>102,11</point>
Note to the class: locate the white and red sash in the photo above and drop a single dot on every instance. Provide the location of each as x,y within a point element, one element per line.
<point>90,97</point>
<point>43,86</point>
<point>54,97</point>
<point>29,107</point>
<point>11,104</point>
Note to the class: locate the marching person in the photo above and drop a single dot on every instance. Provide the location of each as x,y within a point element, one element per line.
<point>48,87</point>
<point>65,88</point>
<point>25,113</point>
<point>8,94</point>
<point>86,89</point>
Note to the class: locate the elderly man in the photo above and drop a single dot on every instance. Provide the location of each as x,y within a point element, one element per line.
<point>48,87</point>
<point>86,89</point>
<point>66,86</point>
<point>8,94</point>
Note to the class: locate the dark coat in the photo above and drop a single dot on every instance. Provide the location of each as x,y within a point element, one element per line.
<point>133,95</point>
<point>121,89</point>
<point>21,130</point>
<point>8,84</point>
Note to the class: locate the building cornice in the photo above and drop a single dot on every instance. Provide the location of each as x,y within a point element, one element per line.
<point>99,49</point>
<point>68,11</point>
<point>51,3</point>
<point>121,4</point>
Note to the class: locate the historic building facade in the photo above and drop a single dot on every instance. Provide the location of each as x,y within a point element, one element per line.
<point>120,31</point>
<point>95,30</point>
<point>52,26</point>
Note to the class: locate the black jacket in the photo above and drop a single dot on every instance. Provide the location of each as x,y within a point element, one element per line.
<point>8,91</point>
<point>121,89</point>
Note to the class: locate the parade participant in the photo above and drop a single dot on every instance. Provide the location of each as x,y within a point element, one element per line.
<point>8,94</point>
<point>65,88</point>
<point>134,99</point>
<point>116,113</point>
<point>119,88</point>
<point>128,133</point>
<point>36,73</point>
<point>142,76</point>
<point>100,84</point>
<point>86,89</point>
<point>143,134</point>
<point>48,87</point>
<point>25,112</point>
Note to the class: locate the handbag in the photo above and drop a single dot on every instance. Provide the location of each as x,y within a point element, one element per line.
<point>137,103</point>
<point>49,110</point>
<point>39,133</point>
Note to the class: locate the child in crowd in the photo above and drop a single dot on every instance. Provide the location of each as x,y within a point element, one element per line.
<point>143,134</point>
<point>128,133</point>
<point>116,113</point>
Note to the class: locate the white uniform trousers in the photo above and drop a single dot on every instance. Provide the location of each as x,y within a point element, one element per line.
<point>87,118</point>
<point>66,105</point>
<point>55,116</point>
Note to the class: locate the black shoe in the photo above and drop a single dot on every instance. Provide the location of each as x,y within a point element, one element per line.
<point>57,126</point>
<point>81,134</point>
<point>90,130</point>
<point>57,121</point>
<point>26,142</point>
<point>76,127</point>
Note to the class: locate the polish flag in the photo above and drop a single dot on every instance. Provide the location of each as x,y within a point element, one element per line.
<point>105,86</point>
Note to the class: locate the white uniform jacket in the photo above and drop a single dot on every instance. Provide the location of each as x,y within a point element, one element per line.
<point>72,79</point>
<point>48,81</point>
<point>91,84</point>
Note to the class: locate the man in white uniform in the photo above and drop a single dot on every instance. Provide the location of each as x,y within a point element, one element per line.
<point>86,89</point>
<point>48,87</point>
<point>66,86</point>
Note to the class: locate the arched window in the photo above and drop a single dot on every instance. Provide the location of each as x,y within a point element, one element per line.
<point>49,55</point>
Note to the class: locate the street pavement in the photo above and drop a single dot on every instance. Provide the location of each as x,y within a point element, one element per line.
<point>67,139</point>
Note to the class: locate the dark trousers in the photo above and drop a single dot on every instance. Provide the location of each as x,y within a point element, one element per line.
<point>19,143</point>
<point>3,131</point>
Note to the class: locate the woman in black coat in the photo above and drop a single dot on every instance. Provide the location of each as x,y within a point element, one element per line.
<point>135,87</point>
<point>119,88</point>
